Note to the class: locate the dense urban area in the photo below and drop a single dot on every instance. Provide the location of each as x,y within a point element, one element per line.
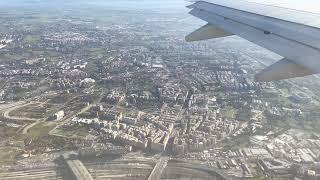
<point>119,94</point>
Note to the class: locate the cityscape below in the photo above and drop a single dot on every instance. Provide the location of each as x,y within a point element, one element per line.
<point>111,90</point>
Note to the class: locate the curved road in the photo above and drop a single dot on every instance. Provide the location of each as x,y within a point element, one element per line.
<point>13,106</point>
<point>7,116</point>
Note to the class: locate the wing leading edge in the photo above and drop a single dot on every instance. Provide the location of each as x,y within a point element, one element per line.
<point>298,43</point>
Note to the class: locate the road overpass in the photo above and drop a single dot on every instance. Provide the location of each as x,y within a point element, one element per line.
<point>77,168</point>
<point>158,169</point>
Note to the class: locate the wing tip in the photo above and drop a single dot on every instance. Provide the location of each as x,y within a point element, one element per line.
<point>283,69</point>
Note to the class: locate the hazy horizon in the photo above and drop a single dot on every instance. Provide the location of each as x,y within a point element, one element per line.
<point>152,5</point>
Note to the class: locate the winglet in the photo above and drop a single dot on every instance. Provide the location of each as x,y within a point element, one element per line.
<point>190,6</point>
<point>283,69</point>
<point>207,32</point>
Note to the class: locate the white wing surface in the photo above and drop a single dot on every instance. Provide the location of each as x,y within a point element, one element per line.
<point>291,33</point>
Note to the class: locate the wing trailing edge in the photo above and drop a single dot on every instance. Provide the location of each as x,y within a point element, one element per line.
<point>283,69</point>
<point>207,31</point>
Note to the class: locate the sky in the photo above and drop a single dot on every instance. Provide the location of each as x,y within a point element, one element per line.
<point>117,4</point>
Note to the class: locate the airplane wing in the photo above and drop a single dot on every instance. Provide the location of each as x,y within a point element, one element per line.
<point>291,33</point>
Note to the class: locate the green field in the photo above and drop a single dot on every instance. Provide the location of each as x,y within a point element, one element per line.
<point>60,99</point>
<point>229,112</point>
<point>40,129</point>
<point>31,39</point>
<point>6,131</point>
<point>72,132</point>
<point>97,53</point>
<point>35,111</point>
<point>8,155</point>
<point>236,143</point>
